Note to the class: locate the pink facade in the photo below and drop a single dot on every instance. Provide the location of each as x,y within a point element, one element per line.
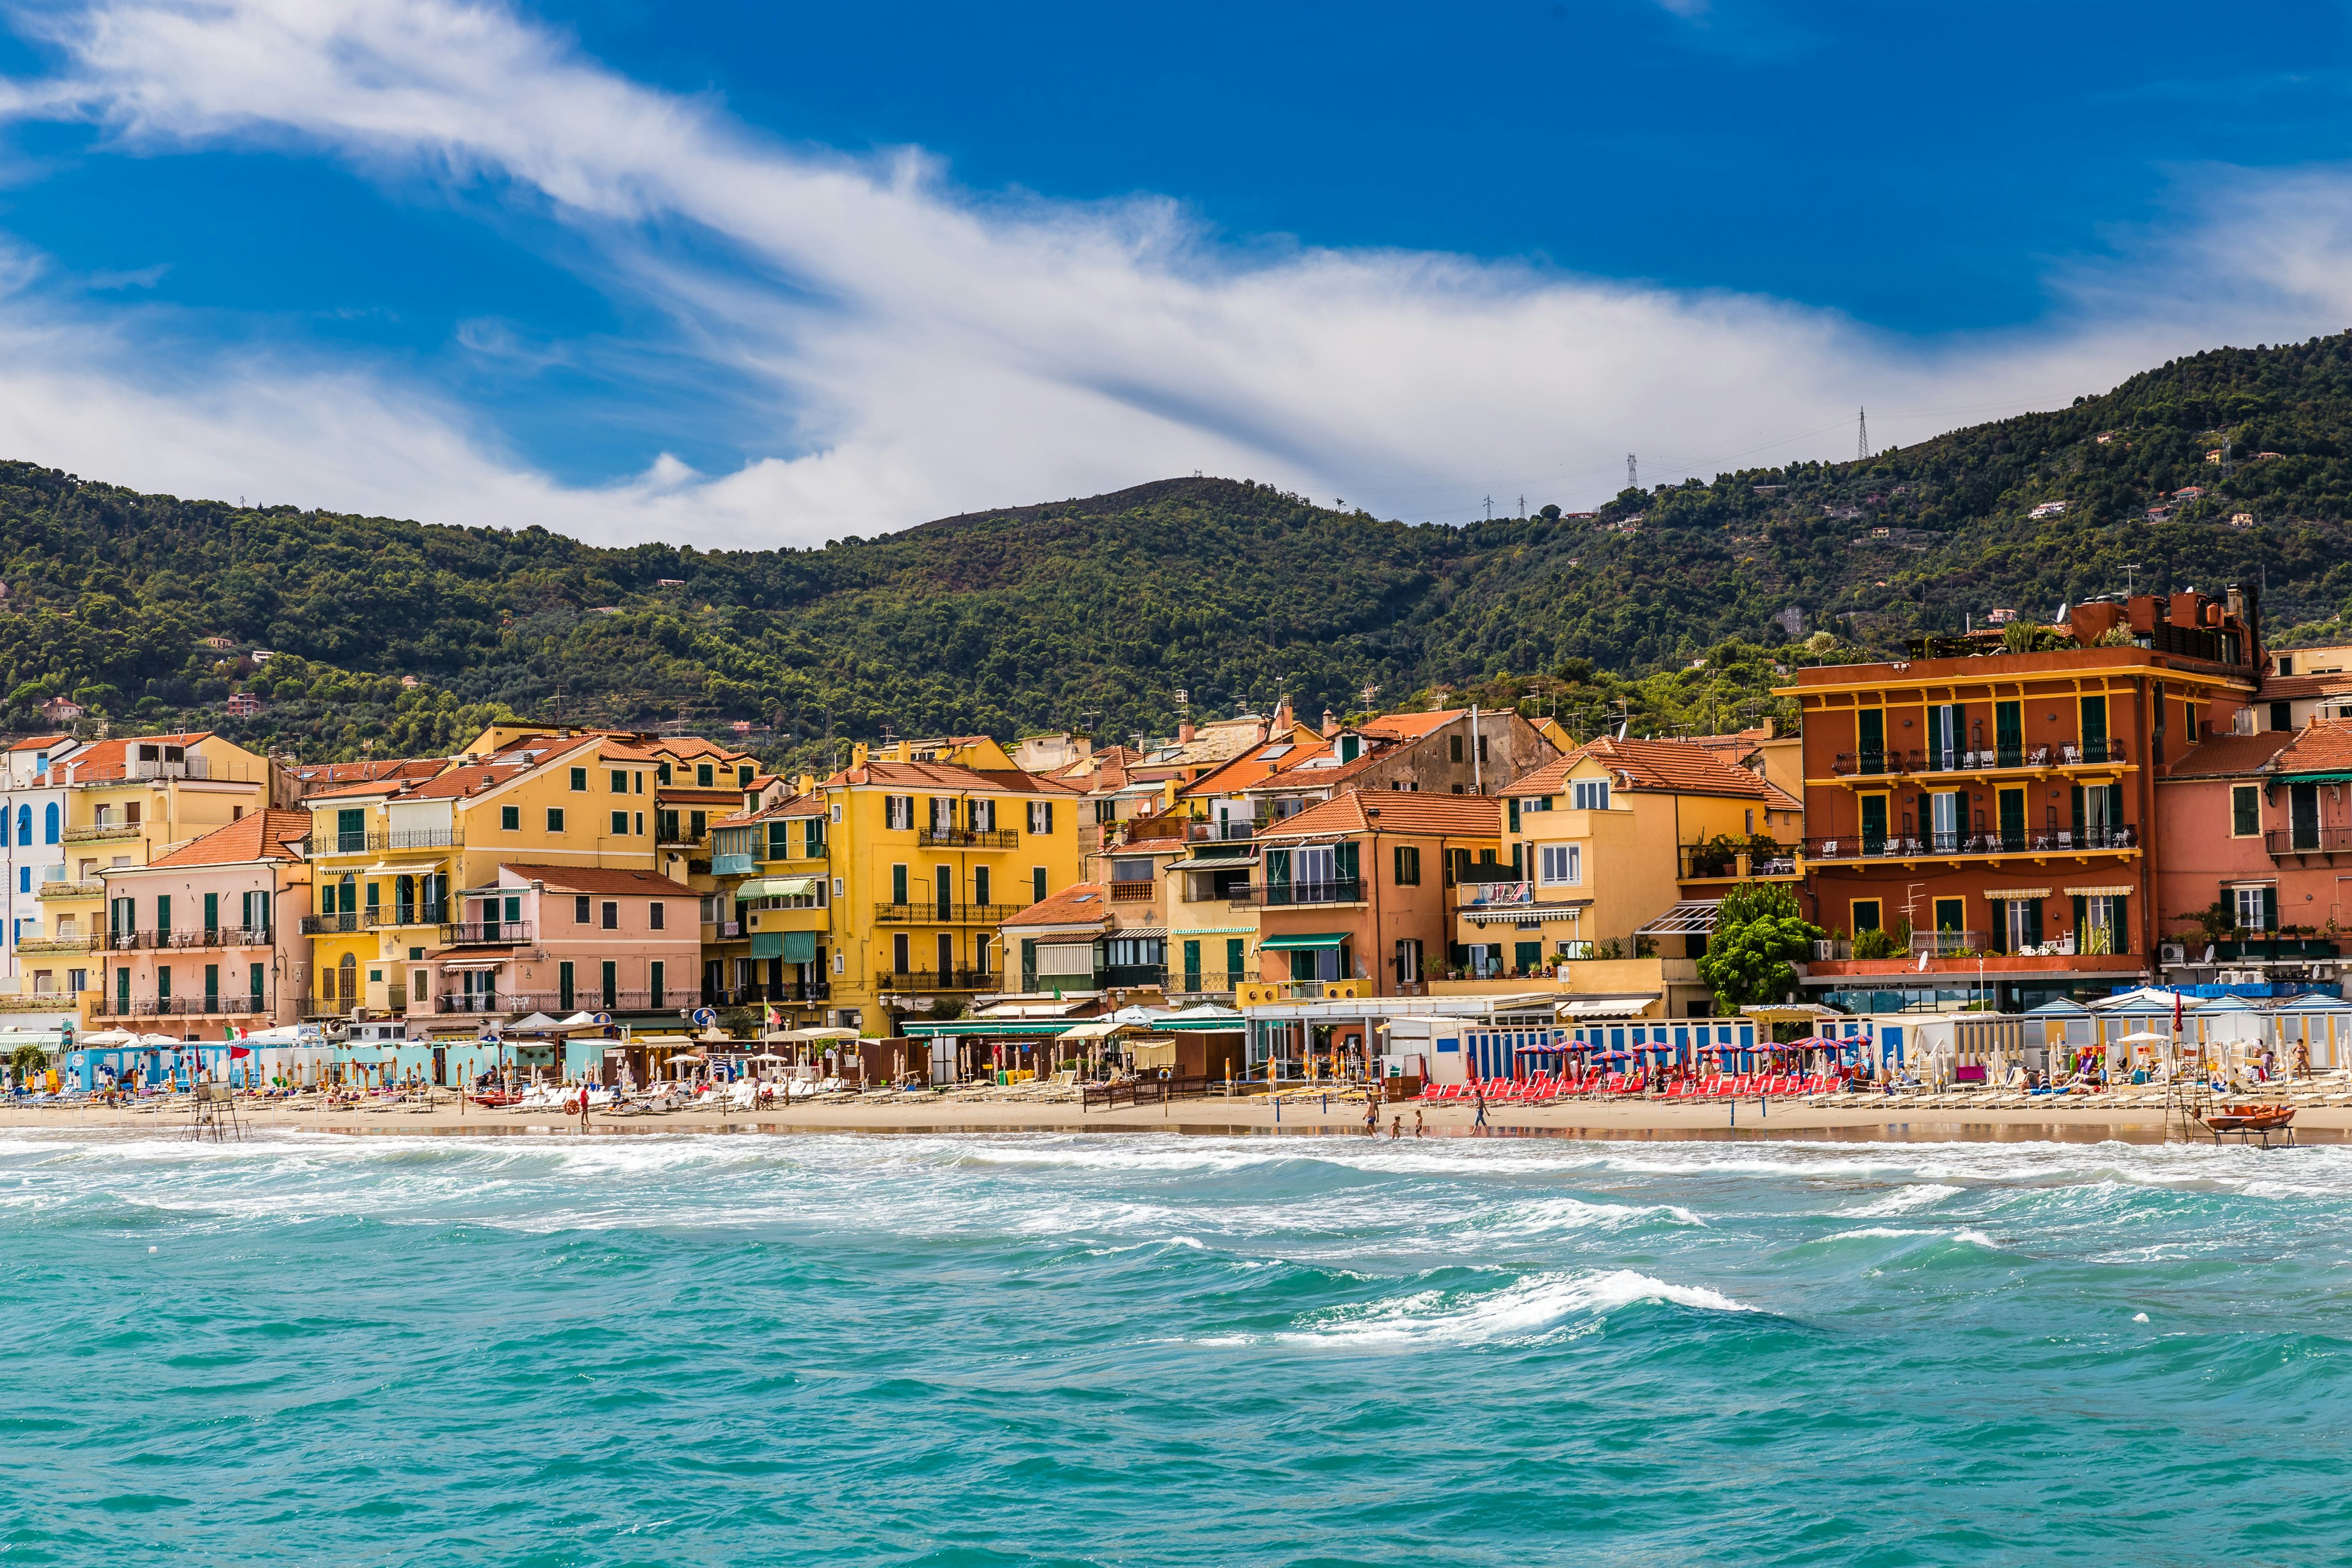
<point>561,939</point>
<point>207,938</point>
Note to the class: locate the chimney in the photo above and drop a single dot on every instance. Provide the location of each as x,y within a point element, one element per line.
<point>1330,724</point>
<point>1185,733</point>
<point>1283,718</point>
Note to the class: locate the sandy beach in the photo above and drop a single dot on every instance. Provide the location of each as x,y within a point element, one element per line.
<point>2082,1122</point>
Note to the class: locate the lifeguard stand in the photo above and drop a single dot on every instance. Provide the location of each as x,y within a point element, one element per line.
<point>212,1118</point>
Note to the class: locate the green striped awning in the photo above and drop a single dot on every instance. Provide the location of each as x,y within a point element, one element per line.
<point>1320,942</point>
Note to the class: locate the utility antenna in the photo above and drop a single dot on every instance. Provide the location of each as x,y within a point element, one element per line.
<point>2128,569</point>
<point>1632,473</point>
<point>1184,704</point>
<point>1368,694</point>
<point>1861,435</point>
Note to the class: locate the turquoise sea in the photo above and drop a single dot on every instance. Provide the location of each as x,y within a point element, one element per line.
<point>1129,1349</point>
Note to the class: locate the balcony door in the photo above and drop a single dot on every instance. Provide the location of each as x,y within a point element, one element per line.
<point>2302,815</point>
<point>1945,819</point>
<point>2009,733</point>
<point>946,955</point>
<point>2013,819</point>
<point>1874,824</point>
<point>1944,732</point>
<point>945,885</point>
<point>1870,731</point>
<point>1311,870</point>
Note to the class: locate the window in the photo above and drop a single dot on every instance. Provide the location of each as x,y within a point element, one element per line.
<point>51,829</point>
<point>2285,665</point>
<point>1588,794</point>
<point>1408,961</point>
<point>638,782</point>
<point>1482,749</point>
<point>1453,744</point>
<point>579,779</point>
<point>703,777</point>
<point>555,819</point>
<point>654,914</point>
<point>1037,885</point>
<point>2245,811</point>
<point>899,960</point>
<point>620,824</point>
<point>612,912</point>
<point>898,813</point>
<point>982,815</point>
<point>510,819</point>
<point>654,976</point>
<point>25,825</point>
<point>620,781</point>
<point>1408,869</point>
<point>835,812</point>
<point>1865,914</point>
<point>1041,816</point>
<point>695,823</point>
<point>661,772</point>
<point>580,915</point>
<point>1559,865</point>
<point>897,884</point>
<point>2257,908</point>
<point>743,775</point>
<point>980,888</point>
<point>638,825</point>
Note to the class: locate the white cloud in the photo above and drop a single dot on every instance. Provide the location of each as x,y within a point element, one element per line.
<point>928,351</point>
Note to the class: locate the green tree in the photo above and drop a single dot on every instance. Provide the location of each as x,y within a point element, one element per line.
<point>26,1060</point>
<point>1758,934</point>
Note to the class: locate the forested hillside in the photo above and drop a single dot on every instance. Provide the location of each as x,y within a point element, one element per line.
<point>1095,613</point>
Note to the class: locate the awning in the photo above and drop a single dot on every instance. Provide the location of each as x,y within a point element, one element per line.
<point>1093,1028</point>
<point>1691,918</point>
<point>1321,942</point>
<point>1606,1007</point>
<point>461,966</point>
<point>800,946</point>
<point>1130,931</point>
<point>2012,894</point>
<point>1214,862</point>
<point>777,887</point>
<point>1527,914</point>
<point>2123,891</point>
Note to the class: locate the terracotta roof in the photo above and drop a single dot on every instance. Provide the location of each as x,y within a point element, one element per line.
<point>2223,756</point>
<point>256,835</point>
<point>951,776</point>
<point>38,742</point>
<point>111,753</point>
<point>1411,725</point>
<point>1394,811</point>
<point>1078,904</point>
<point>2324,747</point>
<point>2281,688</point>
<point>334,775</point>
<point>698,796</point>
<point>458,782</point>
<point>595,879</point>
<point>1675,767</point>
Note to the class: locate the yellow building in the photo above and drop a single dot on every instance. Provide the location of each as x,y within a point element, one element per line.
<point>878,893</point>
<point>404,870</point>
<point>1619,842</point>
<point>130,802</point>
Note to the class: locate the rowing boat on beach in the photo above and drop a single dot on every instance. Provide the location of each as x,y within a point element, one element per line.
<point>2250,1121</point>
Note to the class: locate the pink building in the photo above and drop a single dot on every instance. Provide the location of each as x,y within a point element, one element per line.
<point>559,939</point>
<point>208,937</point>
<point>2258,836</point>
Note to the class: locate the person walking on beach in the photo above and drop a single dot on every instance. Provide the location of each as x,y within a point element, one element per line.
<point>583,1104</point>
<point>1372,1113</point>
<point>1478,1093</point>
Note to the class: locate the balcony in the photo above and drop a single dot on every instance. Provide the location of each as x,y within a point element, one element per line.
<point>484,933</point>
<point>1132,892</point>
<point>114,1004</point>
<point>938,980</point>
<point>928,913</point>
<point>1742,862</point>
<point>967,839</point>
<point>1204,982</point>
<point>55,945</point>
<point>1977,845</point>
<point>97,830</point>
<point>2245,949</point>
<point>70,890</point>
<point>1286,894</point>
<point>1916,763</point>
<point>734,865</point>
<point>187,941</point>
<point>2308,839</point>
<point>1133,974</point>
<point>345,922</point>
<point>398,841</point>
<point>134,771</point>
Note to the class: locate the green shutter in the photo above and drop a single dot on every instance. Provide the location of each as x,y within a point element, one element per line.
<point>1234,962</point>
<point>2270,909</point>
<point>1515,813</point>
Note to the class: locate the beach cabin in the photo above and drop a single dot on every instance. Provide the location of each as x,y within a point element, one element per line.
<point>1699,1044</point>
<point>2316,1025</point>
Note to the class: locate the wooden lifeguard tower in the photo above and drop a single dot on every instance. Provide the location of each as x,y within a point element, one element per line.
<point>212,1116</point>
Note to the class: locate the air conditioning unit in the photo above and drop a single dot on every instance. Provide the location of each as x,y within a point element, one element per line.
<point>2172,953</point>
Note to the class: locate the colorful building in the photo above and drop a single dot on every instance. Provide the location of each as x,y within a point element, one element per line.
<point>205,939</point>
<point>1979,820</point>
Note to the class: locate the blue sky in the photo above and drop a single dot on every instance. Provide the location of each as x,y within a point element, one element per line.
<point>773,273</point>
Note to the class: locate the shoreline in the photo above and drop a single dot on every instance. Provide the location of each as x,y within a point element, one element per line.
<point>1253,1117</point>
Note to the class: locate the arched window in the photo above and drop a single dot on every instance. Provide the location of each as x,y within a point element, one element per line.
<point>347,979</point>
<point>51,829</point>
<point>25,825</point>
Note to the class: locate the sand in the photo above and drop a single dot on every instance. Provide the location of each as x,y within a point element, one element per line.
<point>2073,1122</point>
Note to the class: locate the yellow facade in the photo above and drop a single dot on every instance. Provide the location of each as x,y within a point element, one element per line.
<point>926,847</point>
<point>392,865</point>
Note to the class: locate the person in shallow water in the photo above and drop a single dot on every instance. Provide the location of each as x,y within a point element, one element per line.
<point>1396,1128</point>
<point>1372,1111</point>
<point>1420,1130</point>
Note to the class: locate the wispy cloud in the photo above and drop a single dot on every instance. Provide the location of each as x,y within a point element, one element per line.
<point>916,348</point>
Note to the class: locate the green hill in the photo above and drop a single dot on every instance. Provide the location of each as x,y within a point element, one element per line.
<point>1093,613</point>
